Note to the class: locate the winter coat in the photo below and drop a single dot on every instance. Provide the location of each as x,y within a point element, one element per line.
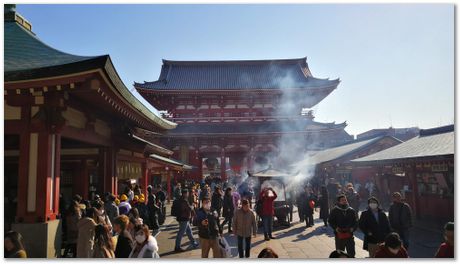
<point>111,209</point>
<point>85,241</point>
<point>103,252</point>
<point>228,206</point>
<point>161,196</point>
<point>268,208</point>
<point>244,223</point>
<point>383,252</point>
<point>353,200</point>
<point>152,211</point>
<point>400,216</point>
<point>124,245</point>
<point>236,199</point>
<point>368,224</point>
<point>149,250</point>
<point>124,208</point>
<point>213,229</point>
<point>183,209</point>
<point>306,199</point>
<point>343,219</point>
<point>177,193</point>
<point>143,212</point>
<point>216,201</point>
<point>324,207</point>
<point>72,228</point>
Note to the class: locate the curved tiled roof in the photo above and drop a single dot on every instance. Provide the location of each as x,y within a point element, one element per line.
<point>24,51</point>
<point>237,75</point>
<point>27,58</point>
<point>253,128</point>
<point>430,143</point>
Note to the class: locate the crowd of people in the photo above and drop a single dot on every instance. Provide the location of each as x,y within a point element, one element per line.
<point>125,226</point>
<point>121,226</point>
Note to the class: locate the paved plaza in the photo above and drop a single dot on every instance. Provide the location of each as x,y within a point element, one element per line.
<point>292,242</point>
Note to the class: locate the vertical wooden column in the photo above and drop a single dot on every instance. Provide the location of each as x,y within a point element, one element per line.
<point>110,173</point>
<point>39,173</point>
<point>83,181</point>
<point>145,177</point>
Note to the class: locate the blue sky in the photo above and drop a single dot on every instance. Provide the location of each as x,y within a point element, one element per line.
<point>396,62</point>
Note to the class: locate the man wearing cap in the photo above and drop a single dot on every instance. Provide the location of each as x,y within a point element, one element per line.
<point>182,210</point>
<point>400,218</point>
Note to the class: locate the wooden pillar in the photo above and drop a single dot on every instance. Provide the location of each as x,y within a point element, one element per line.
<point>110,173</point>
<point>39,171</point>
<point>82,183</point>
<point>145,178</point>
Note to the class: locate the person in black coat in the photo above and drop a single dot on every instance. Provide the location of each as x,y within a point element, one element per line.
<point>152,211</point>
<point>217,200</point>
<point>309,201</point>
<point>124,241</point>
<point>344,222</point>
<point>324,205</point>
<point>375,225</point>
<point>400,217</point>
<point>228,209</point>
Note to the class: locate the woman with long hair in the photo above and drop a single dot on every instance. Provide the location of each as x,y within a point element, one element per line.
<point>103,244</point>
<point>14,247</point>
<point>86,229</point>
<point>74,215</point>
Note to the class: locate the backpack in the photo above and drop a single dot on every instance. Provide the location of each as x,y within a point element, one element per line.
<point>175,208</point>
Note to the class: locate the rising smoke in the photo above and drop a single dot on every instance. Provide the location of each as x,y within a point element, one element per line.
<point>292,153</point>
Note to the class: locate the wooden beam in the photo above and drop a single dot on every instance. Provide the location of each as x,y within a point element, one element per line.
<point>86,136</point>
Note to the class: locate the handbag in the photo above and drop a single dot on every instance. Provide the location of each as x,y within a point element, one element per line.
<point>344,235</point>
<point>225,249</point>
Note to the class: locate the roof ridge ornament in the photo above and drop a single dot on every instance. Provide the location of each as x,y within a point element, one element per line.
<point>12,16</point>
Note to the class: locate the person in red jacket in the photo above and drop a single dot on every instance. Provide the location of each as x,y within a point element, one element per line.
<point>392,248</point>
<point>268,196</point>
<point>446,250</point>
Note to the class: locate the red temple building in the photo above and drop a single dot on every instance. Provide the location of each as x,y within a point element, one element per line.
<point>71,127</point>
<point>234,116</point>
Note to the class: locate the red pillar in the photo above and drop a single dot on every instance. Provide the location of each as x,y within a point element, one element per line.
<point>39,171</point>
<point>145,178</point>
<point>110,171</point>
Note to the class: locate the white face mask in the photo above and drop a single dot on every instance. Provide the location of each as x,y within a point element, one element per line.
<point>373,206</point>
<point>393,251</point>
<point>140,238</point>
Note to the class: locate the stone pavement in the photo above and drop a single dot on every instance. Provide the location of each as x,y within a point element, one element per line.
<point>294,242</point>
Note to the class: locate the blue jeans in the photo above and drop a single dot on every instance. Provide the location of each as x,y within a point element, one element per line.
<point>268,225</point>
<point>184,226</point>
